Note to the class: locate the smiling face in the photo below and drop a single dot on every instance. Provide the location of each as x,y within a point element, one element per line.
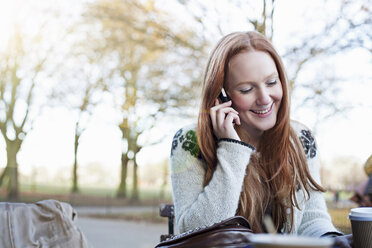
<point>255,89</point>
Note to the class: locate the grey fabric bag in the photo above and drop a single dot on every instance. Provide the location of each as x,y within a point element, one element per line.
<point>47,223</point>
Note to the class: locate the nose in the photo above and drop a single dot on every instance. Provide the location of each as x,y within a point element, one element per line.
<point>263,97</point>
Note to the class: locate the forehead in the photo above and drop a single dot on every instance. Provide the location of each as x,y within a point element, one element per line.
<point>251,66</point>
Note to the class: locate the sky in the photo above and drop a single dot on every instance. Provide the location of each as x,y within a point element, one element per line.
<point>49,146</point>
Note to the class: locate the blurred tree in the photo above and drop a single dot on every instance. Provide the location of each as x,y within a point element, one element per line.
<point>12,87</point>
<point>81,92</point>
<point>24,74</point>
<point>347,27</point>
<point>83,73</point>
<point>20,70</point>
<point>82,109</point>
<point>256,15</point>
<point>142,49</point>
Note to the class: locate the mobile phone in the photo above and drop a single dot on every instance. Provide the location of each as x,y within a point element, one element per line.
<point>223,96</point>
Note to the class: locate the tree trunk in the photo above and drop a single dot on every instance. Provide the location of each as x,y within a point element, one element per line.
<point>12,148</point>
<point>3,175</point>
<point>13,183</point>
<point>136,149</point>
<point>135,196</point>
<point>75,187</point>
<point>122,190</point>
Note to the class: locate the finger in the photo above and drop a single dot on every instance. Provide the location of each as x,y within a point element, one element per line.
<point>216,117</point>
<point>218,105</point>
<point>225,107</point>
<point>218,114</point>
<point>212,114</point>
<point>222,113</point>
<point>220,117</point>
<point>227,110</point>
<point>231,117</point>
<point>237,120</point>
<point>228,103</point>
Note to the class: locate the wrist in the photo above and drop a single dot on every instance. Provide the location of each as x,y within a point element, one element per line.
<point>331,235</point>
<point>238,142</point>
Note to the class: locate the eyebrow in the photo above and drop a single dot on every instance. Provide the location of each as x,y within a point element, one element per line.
<point>274,74</point>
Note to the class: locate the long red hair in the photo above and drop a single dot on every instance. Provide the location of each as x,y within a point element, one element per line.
<point>280,164</point>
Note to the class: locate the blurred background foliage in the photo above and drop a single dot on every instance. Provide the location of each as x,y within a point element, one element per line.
<point>141,62</point>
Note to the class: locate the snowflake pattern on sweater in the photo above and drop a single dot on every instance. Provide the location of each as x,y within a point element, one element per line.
<point>308,142</point>
<point>188,142</point>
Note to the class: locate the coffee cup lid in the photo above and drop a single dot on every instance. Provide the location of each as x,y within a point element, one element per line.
<point>363,213</point>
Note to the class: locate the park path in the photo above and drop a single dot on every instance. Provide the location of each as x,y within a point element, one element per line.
<point>108,233</point>
<point>111,233</point>
<point>88,210</point>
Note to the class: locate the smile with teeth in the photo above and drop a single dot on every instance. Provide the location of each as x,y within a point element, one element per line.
<point>264,111</point>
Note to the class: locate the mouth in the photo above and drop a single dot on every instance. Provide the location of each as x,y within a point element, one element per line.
<point>264,112</point>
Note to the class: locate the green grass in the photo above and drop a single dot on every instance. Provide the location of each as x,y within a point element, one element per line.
<point>65,189</point>
<point>328,195</point>
<point>153,217</point>
<point>94,196</point>
<point>340,219</point>
<point>144,193</point>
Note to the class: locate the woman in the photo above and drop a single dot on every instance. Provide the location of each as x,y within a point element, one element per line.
<point>245,157</point>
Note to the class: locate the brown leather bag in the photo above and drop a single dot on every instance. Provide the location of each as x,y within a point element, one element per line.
<point>232,232</point>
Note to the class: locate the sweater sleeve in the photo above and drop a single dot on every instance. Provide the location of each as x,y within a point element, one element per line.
<point>196,205</point>
<point>316,220</point>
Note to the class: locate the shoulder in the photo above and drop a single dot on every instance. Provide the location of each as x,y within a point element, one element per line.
<point>306,137</point>
<point>185,140</point>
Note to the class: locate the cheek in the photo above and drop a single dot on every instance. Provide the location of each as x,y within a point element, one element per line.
<point>278,97</point>
<point>241,103</point>
<point>279,93</point>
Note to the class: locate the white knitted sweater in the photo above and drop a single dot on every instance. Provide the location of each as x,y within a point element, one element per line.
<point>197,206</point>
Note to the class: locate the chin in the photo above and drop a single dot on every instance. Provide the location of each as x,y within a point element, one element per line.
<point>265,128</point>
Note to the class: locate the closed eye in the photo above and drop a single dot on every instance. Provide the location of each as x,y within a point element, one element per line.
<point>245,91</point>
<point>272,82</point>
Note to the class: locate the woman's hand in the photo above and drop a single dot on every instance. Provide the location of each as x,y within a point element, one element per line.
<point>223,116</point>
<point>345,241</point>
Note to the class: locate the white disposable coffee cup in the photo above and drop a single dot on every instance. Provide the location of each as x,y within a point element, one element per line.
<point>361,226</point>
